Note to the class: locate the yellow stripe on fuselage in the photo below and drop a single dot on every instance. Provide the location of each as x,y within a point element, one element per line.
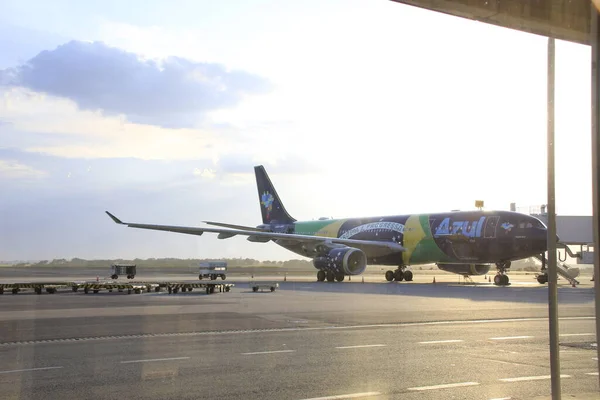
<point>413,234</point>
<point>331,230</point>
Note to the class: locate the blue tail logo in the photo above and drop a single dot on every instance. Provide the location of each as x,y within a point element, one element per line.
<point>267,201</point>
<point>271,208</point>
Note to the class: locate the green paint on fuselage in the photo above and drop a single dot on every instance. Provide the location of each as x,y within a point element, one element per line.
<point>426,251</point>
<point>412,237</point>
<point>418,240</point>
<point>327,228</point>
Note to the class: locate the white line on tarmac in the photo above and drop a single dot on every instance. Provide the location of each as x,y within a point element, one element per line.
<point>445,386</point>
<point>155,359</point>
<point>269,352</point>
<point>29,369</point>
<point>577,334</point>
<point>510,337</point>
<point>530,378</point>
<point>346,396</point>
<point>592,373</point>
<point>442,341</point>
<point>361,346</point>
<point>501,398</point>
<point>295,329</point>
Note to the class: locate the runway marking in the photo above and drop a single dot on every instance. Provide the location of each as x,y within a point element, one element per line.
<point>269,352</point>
<point>501,398</point>
<point>577,334</point>
<point>442,341</point>
<point>28,369</point>
<point>346,396</point>
<point>511,337</point>
<point>361,346</point>
<point>445,386</point>
<point>505,362</point>
<point>294,329</point>
<point>592,373</point>
<point>530,378</point>
<point>155,359</point>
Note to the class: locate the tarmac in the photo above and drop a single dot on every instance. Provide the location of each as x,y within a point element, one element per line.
<point>306,340</point>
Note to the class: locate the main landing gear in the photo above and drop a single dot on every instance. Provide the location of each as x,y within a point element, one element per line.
<point>399,275</point>
<point>501,279</point>
<point>330,276</point>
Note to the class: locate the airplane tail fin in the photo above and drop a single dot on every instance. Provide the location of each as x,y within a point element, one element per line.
<point>271,207</point>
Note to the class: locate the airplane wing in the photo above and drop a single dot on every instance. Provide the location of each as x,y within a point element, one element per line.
<point>379,247</point>
<point>242,227</point>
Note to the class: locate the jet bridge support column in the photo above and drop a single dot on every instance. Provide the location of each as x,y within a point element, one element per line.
<point>595,43</point>
<point>551,240</point>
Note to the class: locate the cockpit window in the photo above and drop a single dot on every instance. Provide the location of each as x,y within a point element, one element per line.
<point>536,223</point>
<point>527,224</point>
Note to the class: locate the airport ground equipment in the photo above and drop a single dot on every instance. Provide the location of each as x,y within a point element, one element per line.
<point>123,269</point>
<point>95,286</point>
<point>255,286</point>
<point>563,270</point>
<point>38,287</point>
<point>209,287</point>
<point>212,270</point>
<point>139,287</point>
<point>572,230</point>
<point>110,286</point>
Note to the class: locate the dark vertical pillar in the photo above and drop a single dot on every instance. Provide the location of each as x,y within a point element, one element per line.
<point>552,274</point>
<point>595,43</point>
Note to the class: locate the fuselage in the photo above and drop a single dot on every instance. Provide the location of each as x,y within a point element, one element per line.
<point>464,237</point>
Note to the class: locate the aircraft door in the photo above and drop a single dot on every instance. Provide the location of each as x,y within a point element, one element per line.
<point>490,227</point>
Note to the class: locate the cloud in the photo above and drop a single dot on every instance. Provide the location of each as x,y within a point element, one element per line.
<point>172,92</point>
<point>207,173</point>
<point>20,43</point>
<point>11,169</point>
<point>242,164</point>
<point>53,125</point>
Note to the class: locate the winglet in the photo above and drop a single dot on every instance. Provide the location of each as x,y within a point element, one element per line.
<point>117,220</point>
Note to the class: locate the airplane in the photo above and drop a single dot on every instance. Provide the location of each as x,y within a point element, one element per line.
<point>462,242</point>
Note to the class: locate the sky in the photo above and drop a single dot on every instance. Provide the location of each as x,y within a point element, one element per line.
<point>158,110</point>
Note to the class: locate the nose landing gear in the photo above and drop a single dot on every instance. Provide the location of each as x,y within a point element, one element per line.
<point>501,279</point>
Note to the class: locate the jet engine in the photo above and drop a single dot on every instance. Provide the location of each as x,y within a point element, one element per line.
<point>466,269</point>
<point>347,260</point>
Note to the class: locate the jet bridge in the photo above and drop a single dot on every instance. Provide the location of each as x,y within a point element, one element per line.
<point>572,230</point>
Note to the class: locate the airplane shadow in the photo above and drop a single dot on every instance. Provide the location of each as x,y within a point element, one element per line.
<point>474,292</point>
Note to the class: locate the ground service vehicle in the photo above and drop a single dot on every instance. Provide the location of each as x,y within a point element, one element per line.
<point>264,285</point>
<point>212,270</point>
<point>123,269</point>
